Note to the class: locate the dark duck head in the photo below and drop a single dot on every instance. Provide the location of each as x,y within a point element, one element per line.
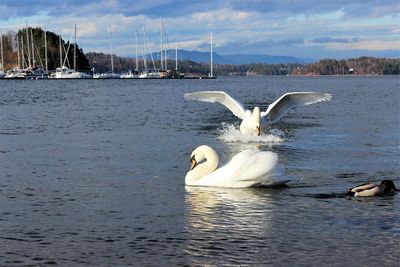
<point>388,187</point>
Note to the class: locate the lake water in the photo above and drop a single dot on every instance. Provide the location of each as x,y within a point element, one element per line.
<point>92,173</point>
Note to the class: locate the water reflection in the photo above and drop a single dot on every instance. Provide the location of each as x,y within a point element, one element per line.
<point>226,222</point>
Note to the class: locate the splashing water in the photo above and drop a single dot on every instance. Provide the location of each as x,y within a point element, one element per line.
<point>228,133</point>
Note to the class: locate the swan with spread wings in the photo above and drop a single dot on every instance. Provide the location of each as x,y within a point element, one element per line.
<point>254,121</point>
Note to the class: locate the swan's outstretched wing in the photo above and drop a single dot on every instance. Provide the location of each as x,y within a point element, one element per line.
<point>288,101</point>
<point>220,97</point>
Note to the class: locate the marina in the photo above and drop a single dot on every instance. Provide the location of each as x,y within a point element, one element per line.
<point>33,67</point>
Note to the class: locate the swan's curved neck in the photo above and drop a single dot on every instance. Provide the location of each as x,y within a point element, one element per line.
<point>204,168</point>
<point>256,115</point>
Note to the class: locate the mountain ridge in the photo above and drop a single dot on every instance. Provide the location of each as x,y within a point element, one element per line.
<point>234,59</point>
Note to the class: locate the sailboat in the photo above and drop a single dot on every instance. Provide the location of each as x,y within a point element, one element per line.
<point>133,74</point>
<point>63,72</point>
<point>108,75</point>
<point>146,73</point>
<point>165,72</point>
<point>32,71</point>
<point>18,72</point>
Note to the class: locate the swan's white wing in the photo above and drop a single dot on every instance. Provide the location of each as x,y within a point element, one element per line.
<point>220,97</point>
<point>288,101</point>
<point>246,169</point>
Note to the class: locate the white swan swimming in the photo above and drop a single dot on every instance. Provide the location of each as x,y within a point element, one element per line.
<point>249,168</point>
<point>254,121</point>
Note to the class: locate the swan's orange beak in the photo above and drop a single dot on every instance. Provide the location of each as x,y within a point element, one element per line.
<point>258,131</point>
<point>193,163</point>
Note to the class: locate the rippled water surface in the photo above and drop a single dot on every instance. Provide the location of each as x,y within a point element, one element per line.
<point>92,173</point>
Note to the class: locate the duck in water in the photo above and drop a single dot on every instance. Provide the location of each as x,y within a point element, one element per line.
<point>385,188</point>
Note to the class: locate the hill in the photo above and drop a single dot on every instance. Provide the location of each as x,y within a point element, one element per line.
<point>238,59</point>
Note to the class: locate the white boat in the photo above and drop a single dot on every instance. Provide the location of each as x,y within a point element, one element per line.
<point>2,74</point>
<point>29,73</point>
<point>129,75</point>
<point>67,73</point>
<point>106,75</point>
<point>15,73</point>
<point>149,75</point>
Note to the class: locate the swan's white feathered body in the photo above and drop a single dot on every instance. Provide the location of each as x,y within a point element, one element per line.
<point>249,168</point>
<point>253,121</point>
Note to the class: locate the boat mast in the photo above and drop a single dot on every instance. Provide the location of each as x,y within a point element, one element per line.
<point>161,49</point>
<point>176,56</point>
<point>151,55</point>
<point>165,58</point>
<point>137,60</point>
<point>144,50</point>
<point>22,51</point>
<point>1,46</point>
<point>75,48</point>
<point>45,49</point>
<point>59,40</point>
<point>111,51</point>
<point>33,50</point>
<point>27,43</point>
<point>166,50</point>
<point>18,56</point>
<point>211,49</point>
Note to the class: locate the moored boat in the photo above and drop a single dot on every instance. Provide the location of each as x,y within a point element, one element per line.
<point>106,75</point>
<point>67,73</point>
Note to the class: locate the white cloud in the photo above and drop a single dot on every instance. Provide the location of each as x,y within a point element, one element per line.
<point>374,45</point>
<point>222,15</point>
<point>247,27</point>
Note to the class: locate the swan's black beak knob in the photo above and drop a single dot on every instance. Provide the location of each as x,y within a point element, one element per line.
<point>193,163</point>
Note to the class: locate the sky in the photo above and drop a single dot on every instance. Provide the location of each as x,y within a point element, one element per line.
<point>313,29</point>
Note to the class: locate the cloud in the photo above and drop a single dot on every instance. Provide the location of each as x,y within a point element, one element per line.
<point>174,8</point>
<point>265,45</point>
<point>324,40</point>
<point>374,45</point>
<point>253,26</point>
<point>350,9</point>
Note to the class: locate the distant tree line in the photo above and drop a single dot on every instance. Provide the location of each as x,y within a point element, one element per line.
<point>101,62</point>
<point>360,66</point>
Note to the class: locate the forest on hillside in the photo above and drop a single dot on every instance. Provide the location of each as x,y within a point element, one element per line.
<point>360,66</point>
